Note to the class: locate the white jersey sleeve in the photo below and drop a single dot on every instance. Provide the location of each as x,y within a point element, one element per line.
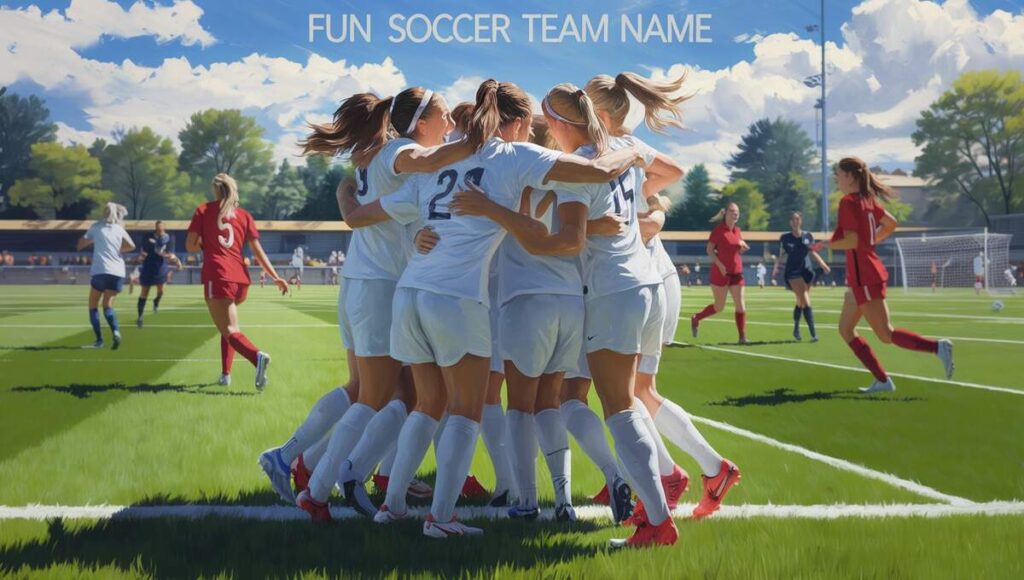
<point>403,205</point>
<point>533,163</point>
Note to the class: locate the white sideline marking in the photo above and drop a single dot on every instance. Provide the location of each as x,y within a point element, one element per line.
<point>862,328</point>
<point>589,512</point>
<point>893,480</point>
<point>857,369</point>
<point>902,313</point>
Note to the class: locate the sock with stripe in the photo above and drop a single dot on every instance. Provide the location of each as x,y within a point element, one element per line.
<point>554,444</point>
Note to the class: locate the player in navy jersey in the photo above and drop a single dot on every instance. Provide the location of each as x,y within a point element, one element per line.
<point>799,271</point>
<point>157,254</point>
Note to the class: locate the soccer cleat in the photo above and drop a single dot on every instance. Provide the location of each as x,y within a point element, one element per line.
<point>224,380</point>
<point>814,338</point>
<point>621,500</point>
<point>715,489</point>
<point>602,497</point>
<point>522,513</point>
<point>262,362</point>
<point>300,475</point>
<point>743,340</point>
<point>319,511</point>
<point>694,325</point>
<point>357,498</point>
<point>565,513</point>
<point>156,307</point>
<point>380,482</point>
<point>639,516</point>
<point>420,489</point>
<point>663,534</point>
<point>886,386</point>
<point>117,341</point>
<point>278,473</point>
<point>471,488</point>
<point>138,322</point>
<point>386,516</point>
<point>499,499</point>
<point>945,354</point>
<point>675,485</point>
<point>97,344</point>
<point>435,529</point>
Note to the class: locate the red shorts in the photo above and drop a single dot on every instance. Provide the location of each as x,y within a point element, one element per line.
<point>720,279</point>
<point>235,291</point>
<point>865,294</point>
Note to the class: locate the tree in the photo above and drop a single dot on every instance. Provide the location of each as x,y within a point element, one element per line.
<point>226,141</point>
<point>899,210</point>
<point>286,195</point>
<point>699,202</point>
<point>776,155</point>
<point>23,122</point>
<point>66,184</point>
<point>322,203</point>
<point>753,215</point>
<point>973,141</point>
<point>141,168</point>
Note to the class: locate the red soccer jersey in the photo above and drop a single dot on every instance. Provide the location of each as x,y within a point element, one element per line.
<point>223,260</point>
<point>727,243</point>
<point>863,215</point>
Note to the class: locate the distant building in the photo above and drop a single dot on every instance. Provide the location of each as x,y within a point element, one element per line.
<point>914,191</point>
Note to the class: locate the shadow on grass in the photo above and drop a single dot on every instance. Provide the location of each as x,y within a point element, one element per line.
<point>41,348</point>
<point>756,343</point>
<point>80,391</point>
<point>784,396</point>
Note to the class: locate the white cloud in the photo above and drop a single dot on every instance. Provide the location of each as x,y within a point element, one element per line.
<point>463,89</point>
<point>70,136</point>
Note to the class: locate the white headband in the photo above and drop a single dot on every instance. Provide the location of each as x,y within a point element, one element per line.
<point>427,94</point>
<point>551,111</point>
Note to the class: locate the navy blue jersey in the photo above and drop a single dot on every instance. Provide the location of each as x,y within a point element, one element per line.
<point>154,245</point>
<point>798,252</point>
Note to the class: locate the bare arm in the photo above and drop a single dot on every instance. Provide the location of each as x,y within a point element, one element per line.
<point>663,172</point>
<point>651,224</point>
<point>886,228</point>
<point>713,254</point>
<point>432,159</point>
<point>821,262</point>
<point>193,243</point>
<point>532,234</point>
<point>346,196</point>
<point>127,245</point>
<point>83,243</point>
<point>847,242</point>
<point>575,169</point>
<point>367,215</point>
<point>264,262</point>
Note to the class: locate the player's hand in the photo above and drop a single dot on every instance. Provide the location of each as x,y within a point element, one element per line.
<point>743,246</point>
<point>721,268</point>
<point>282,285</point>
<point>425,240</point>
<point>826,269</point>
<point>607,225</point>
<point>659,202</point>
<point>472,202</point>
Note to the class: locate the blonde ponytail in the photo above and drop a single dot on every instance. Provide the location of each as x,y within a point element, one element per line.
<point>661,109</point>
<point>114,213</point>
<point>568,104</point>
<point>226,190</point>
<point>496,104</point>
<point>718,217</point>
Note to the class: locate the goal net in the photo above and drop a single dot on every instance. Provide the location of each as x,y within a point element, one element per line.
<point>955,261</point>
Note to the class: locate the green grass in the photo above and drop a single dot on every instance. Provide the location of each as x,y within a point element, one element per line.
<point>144,425</point>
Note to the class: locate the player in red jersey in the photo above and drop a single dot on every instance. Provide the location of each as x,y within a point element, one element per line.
<point>219,229</point>
<point>863,224</point>
<point>725,244</point>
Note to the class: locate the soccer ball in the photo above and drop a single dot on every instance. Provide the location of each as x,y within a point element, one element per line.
<point>997,306</point>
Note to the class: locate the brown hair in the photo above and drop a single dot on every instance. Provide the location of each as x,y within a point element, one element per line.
<point>496,104</point>
<point>720,216</point>
<point>461,114</point>
<point>572,105</point>
<point>661,109</point>
<point>364,122</point>
<point>867,183</point>
<point>226,191</point>
<point>541,135</point>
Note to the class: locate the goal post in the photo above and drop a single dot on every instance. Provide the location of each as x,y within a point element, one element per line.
<point>932,263</point>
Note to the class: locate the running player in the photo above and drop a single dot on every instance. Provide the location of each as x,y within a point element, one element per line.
<point>796,245</point>
<point>219,229</point>
<point>724,248</point>
<point>157,253</point>
<point>108,239</point>
<point>863,223</point>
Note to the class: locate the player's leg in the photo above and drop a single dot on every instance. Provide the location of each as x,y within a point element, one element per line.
<point>224,312</point>
<point>808,281</point>
<point>737,293</point>
<point>140,306</point>
<point>94,313</point>
<point>848,319</point>
<point>159,296</point>
<point>554,442</point>
<point>719,293</point>
<point>876,312</point>
<point>585,426</point>
<point>496,427</point>
<point>111,315</point>
<point>522,434</point>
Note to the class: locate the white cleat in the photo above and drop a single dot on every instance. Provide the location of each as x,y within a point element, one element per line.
<point>434,529</point>
<point>945,354</point>
<point>262,362</point>
<point>886,386</point>
<point>386,516</point>
<point>224,380</point>
<point>279,474</point>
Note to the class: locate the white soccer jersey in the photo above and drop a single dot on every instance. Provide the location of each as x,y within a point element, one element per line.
<point>523,273</point>
<point>380,252</point>
<point>459,263</point>
<point>106,253</point>
<point>979,266</point>
<point>613,263</point>
<point>662,262</point>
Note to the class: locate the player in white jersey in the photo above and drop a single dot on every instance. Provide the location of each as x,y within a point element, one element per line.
<point>662,416</point>
<point>441,324</point>
<point>979,272</point>
<point>108,239</point>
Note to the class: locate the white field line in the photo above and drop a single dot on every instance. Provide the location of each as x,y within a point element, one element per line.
<point>904,313</point>
<point>286,513</point>
<point>842,464</point>
<point>856,369</point>
<point>862,328</point>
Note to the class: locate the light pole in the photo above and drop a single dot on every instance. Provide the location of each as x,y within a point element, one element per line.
<point>821,80</point>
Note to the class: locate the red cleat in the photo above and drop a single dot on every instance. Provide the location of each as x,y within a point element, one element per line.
<point>639,517</point>
<point>675,485</point>
<point>300,475</point>
<point>319,511</point>
<point>380,482</point>
<point>602,497</point>
<point>664,534</point>
<point>715,489</point>
<point>472,489</point>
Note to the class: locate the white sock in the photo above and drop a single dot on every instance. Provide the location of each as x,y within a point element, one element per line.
<point>454,454</point>
<point>380,435</point>
<point>665,462</point>
<point>495,435</point>
<point>676,424</point>
<point>413,441</point>
<point>439,431</point>
<point>523,438</point>
<point>554,444</point>
<point>311,457</point>
<point>324,414</point>
<point>388,461</point>
<point>586,428</point>
<point>635,448</point>
<point>345,436</point>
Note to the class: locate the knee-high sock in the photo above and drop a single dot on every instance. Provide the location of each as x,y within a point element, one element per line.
<point>675,424</point>
<point>911,340</point>
<point>709,310</point>
<point>809,317</point>
<point>862,349</point>
<point>388,462</point>
<point>312,456</point>
<point>635,448</point>
<point>94,320</point>
<point>797,311</point>
<point>227,355</point>
<point>380,435</point>
<point>439,431</point>
<point>741,324</point>
<point>324,414</point>
<point>665,462</point>
<point>413,442</point>
<point>241,343</point>
<point>345,436</point>
<point>458,442</point>
<point>141,306</point>
<point>495,435</point>
<point>586,428</point>
<point>554,444</point>
<point>111,317</point>
<point>523,437</point>
<point>156,301</point>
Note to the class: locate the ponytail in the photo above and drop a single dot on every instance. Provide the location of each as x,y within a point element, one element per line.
<point>868,183</point>
<point>496,104</point>
<point>568,104</point>
<point>720,216</point>
<point>661,109</point>
<point>114,213</point>
<point>226,190</point>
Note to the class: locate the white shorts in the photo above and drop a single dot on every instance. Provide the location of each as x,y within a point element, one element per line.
<point>627,322</point>
<point>364,316</point>
<point>582,370</point>
<point>435,328</point>
<point>673,303</point>
<point>542,333</point>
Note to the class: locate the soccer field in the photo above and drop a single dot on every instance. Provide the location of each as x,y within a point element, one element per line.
<point>924,482</point>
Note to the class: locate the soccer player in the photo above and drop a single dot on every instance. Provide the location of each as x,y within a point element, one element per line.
<point>863,223</point>
<point>219,229</point>
<point>108,239</point>
<point>797,246</point>
<point>157,253</point>
<point>760,272</point>
<point>979,272</point>
<point>725,244</point>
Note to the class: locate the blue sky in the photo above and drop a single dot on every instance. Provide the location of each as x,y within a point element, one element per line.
<point>102,65</point>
